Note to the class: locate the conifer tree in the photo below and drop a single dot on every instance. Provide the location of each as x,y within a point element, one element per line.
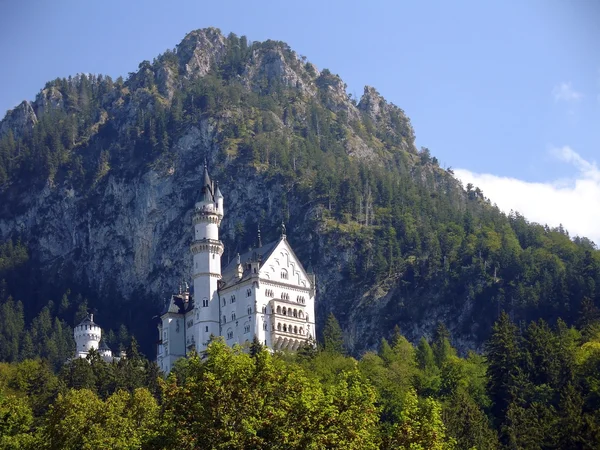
<point>503,353</point>
<point>333,338</point>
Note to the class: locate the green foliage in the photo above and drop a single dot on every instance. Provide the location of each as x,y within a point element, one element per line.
<point>260,402</point>
<point>333,338</point>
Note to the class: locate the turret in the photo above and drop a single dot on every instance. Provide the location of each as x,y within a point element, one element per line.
<point>87,336</point>
<point>219,199</point>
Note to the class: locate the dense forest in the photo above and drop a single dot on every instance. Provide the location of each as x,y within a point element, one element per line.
<point>536,388</point>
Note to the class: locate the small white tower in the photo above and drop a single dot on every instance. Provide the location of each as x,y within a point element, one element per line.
<point>207,250</point>
<point>87,336</point>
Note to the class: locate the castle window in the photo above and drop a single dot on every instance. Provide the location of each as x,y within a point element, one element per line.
<point>307,317</point>
<point>249,310</point>
<point>224,302</point>
<point>278,327</point>
<point>229,334</point>
<point>190,323</point>
<point>206,329</point>
<point>279,310</point>
<point>289,311</point>
<point>295,313</point>
<point>301,315</point>
<point>248,292</point>
<point>284,311</point>
<point>295,330</point>
<point>284,328</point>
<point>233,299</point>
<point>301,331</point>
<point>233,316</point>
<point>255,270</point>
<point>284,274</point>
<point>265,326</point>
<point>247,328</point>
<point>205,303</point>
<point>224,319</point>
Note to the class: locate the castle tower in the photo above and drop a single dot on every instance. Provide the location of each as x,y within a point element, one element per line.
<point>87,336</point>
<point>207,250</point>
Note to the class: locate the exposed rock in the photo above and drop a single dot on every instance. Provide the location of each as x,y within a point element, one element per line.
<point>200,51</point>
<point>20,120</point>
<point>48,99</point>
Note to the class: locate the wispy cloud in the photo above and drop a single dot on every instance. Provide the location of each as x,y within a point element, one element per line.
<point>564,92</point>
<point>574,203</point>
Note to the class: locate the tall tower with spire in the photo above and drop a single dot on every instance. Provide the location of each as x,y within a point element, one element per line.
<point>207,250</point>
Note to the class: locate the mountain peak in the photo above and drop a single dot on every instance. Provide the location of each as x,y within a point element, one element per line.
<point>200,50</point>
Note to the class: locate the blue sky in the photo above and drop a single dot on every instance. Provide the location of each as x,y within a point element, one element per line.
<point>503,91</point>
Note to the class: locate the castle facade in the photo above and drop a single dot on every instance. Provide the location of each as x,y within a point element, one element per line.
<point>264,293</point>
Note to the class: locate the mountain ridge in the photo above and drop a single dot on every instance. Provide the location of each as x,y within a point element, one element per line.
<point>394,238</point>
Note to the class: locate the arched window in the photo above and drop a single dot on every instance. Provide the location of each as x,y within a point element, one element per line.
<point>295,313</point>
<point>233,316</point>
<point>249,310</point>
<point>233,299</point>
<point>302,331</point>
<point>224,319</point>
<point>295,330</point>
<point>289,311</point>
<point>246,328</point>
<point>265,326</point>
<point>248,292</point>
<point>264,309</point>
<point>229,334</point>
<point>224,302</point>
<point>301,315</point>
<point>284,328</point>
<point>278,327</point>
<point>205,302</point>
<point>284,274</point>
<point>278,309</point>
<point>284,312</point>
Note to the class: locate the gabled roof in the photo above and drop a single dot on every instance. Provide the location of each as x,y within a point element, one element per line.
<point>229,273</point>
<point>291,250</point>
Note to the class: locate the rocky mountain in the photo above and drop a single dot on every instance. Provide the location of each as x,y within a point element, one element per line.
<point>98,178</point>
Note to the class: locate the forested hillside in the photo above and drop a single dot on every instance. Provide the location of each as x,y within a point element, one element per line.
<point>98,177</point>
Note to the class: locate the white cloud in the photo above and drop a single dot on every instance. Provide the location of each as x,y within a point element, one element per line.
<point>575,203</point>
<point>565,92</point>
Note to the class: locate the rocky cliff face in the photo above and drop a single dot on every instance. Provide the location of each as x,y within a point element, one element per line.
<point>124,233</point>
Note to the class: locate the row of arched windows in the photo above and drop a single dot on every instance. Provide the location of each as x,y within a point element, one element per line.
<point>300,299</point>
<point>285,296</point>
<point>290,329</point>
<point>290,312</point>
<point>269,293</point>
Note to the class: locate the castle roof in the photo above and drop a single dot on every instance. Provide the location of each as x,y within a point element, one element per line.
<point>103,346</point>
<point>178,304</point>
<point>206,193</point>
<point>88,320</point>
<point>229,273</point>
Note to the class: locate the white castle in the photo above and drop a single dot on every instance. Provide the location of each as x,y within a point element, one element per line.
<point>88,336</point>
<point>264,294</point>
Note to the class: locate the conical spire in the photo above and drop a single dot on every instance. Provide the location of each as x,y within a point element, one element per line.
<point>218,191</point>
<point>206,194</point>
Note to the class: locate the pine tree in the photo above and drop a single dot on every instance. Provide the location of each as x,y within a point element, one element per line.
<point>333,338</point>
<point>503,354</point>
